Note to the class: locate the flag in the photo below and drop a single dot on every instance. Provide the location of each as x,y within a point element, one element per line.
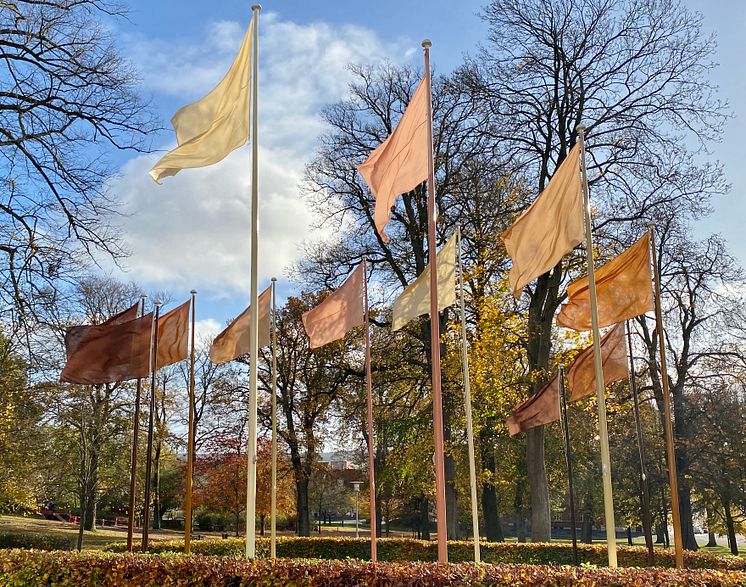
<point>400,163</point>
<point>549,228</point>
<point>415,299</point>
<point>209,129</point>
<point>623,290</point>
<point>110,352</point>
<point>581,376</point>
<point>75,334</point>
<point>173,335</point>
<point>541,408</point>
<point>235,340</point>
<point>339,313</point>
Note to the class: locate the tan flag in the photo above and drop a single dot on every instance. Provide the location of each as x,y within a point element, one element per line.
<point>339,313</point>
<point>110,352</point>
<point>541,408</point>
<point>581,376</point>
<point>235,340</point>
<point>550,227</point>
<point>399,164</point>
<point>623,290</point>
<point>415,299</point>
<point>75,334</point>
<point>173,335</point>
<point>209,129</point>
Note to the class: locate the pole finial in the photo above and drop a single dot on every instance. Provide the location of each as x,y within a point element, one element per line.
<point>274,279</point>
<point>158,302</point>
<point>427,43</point>
<point>580,128</point>
<point>256,7</point>
<point>193,292</point>
<point>143,296</point>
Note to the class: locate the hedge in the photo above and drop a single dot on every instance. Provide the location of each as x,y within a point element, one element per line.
<point>404,550</point>
<point>22,567</point>
<point>37,541</point>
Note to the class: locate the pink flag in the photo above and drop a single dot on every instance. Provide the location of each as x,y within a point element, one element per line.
<point>541,408</point>
<point>399,164</point>
<point>339,313</point>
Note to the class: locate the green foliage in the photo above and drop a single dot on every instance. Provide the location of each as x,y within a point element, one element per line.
<point>401,550</point>
<point>20,568</point>
<point>35,541</point>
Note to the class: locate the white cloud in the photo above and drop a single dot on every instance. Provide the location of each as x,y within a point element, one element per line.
<point>194,229</point>
<point>207,329</point>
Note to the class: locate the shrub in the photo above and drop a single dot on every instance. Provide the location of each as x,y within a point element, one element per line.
<point>35,541</point>
<point>20,568</point>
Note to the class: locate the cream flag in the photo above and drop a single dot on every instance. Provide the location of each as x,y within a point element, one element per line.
<point>339,313</point>
<point>234,341</point>
<point>549,228</point>
<point>399,164</point>
<point>415,300</point>
<point>209,129</point>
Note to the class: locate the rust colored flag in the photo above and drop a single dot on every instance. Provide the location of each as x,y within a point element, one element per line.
<point>623,290</point>
<point>235,340</point>
<point>75,334</point>
<point>581,376</point>
<point>550,227</point>
<point>110,352</point>
<point>541,408</point>
<point>339,313</point>
<point>173,335</point>
<point>399,164</point>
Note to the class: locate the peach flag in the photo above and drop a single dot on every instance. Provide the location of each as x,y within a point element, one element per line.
<point>541,408</point>
<point>623,290</point>
<point>400,163</point>
<point>339,313</point>
<point>173,335</point>
<point>550,228</point>
<point>235,340</point>
<point>581,376</point>
<point>75,335</point>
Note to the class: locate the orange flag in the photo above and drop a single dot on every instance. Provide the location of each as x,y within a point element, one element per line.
<point>234,341</point>
<point>399,164</point>
<point>623,290</point>
<point>550,227</point>
<point>339,313</point>
<point>541,408</point>
<point>581,376</point>
<point>75,334</point>
<point>110,352</point>
<point>173,335</point>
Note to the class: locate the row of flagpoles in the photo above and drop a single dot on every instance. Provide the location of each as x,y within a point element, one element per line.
<point>557,221</point>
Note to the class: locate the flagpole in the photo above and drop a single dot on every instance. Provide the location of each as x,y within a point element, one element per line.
<point>673,478</point>
<point>371,443</point>
<point>133,458</point>
<point>190,439</point>
<point>568,460</point>
<point>467,407</point>
<point>254,331</point>
<point>599,373</point>
<point>646,518</point>
<point>440,476</point>
<point>273,518</point>
<point>149,457</point>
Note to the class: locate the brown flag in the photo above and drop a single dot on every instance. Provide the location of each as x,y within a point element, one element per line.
<point>623,290</point>
<point>550,227</point>
<point>173,336</point>
<point>399,164</point>
<point>581,376</point>
<point>75,334</point>
<point>110,352</point>
<point>541,408</point>
<point>339,313</point>
<point>235,341</point>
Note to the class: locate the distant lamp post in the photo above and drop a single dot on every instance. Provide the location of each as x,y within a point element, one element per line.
<point>356,486</point>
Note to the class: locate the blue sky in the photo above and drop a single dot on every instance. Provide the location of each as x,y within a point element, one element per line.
<point>193,230</point>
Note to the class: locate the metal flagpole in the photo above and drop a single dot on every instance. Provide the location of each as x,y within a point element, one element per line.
<point>673,478</point>
<point>646,518</point>
<point>273,507</point>
<point>440,475</point>
<point>254,330</point>
<point>568,459</point>
<point>599,373</point>
<point>149,456</point>
<point>133,458</point>
<point>190,439</point>
<point>371,441</point>
<point>467,407</point>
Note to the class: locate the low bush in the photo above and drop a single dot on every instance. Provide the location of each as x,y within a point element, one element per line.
<point>405,550</point>
<point>21,568</point>
<point>35,541</point>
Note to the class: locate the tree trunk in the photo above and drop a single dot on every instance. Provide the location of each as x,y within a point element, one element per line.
<point>586,526</point>
<point>238,523</point>
<point>450,467</point>
<point>541,527</point>
<point>711,540</point>
<point>262,517</point>
<point>629,535</point>
<point>301,504</point>
<point>731,527</point>
<point>157,487</point>
<point>492,526</point>
<point>518,512</point>
<point>659,534</point>
<point>425,518</point>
